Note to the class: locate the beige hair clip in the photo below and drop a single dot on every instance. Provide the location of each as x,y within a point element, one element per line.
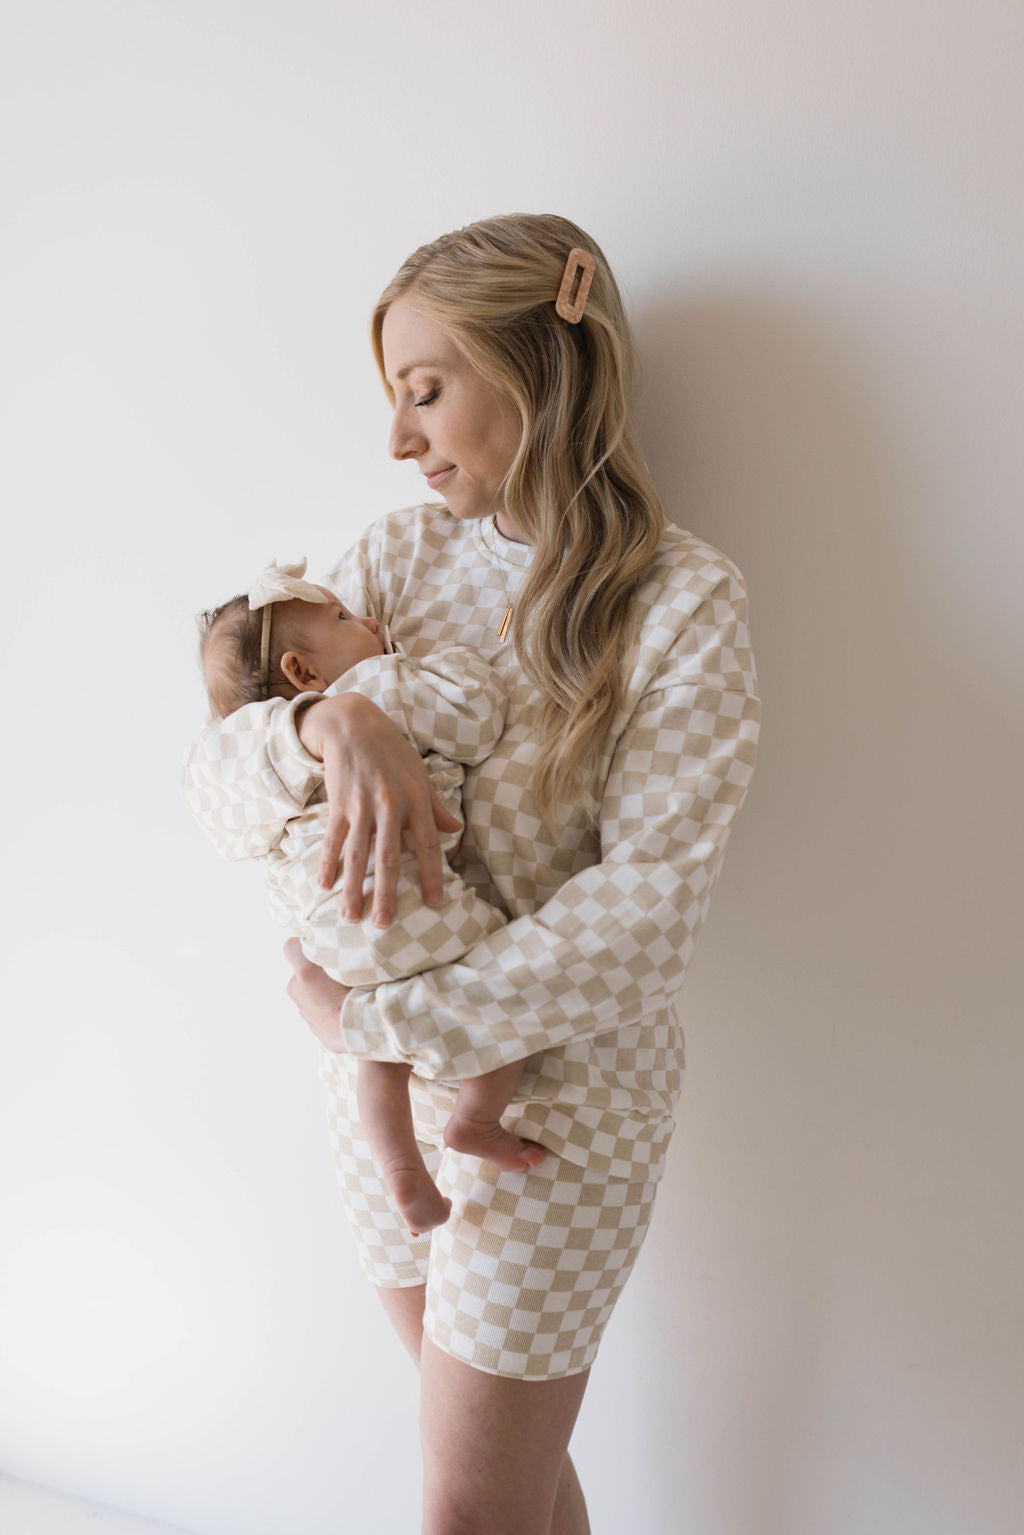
<point>576,280</point>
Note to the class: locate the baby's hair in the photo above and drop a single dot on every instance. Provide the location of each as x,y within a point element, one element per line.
<point>231,665</point>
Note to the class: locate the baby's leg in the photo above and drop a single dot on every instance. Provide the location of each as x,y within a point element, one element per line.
<point>386,1115</point>
<point>475,1125</point>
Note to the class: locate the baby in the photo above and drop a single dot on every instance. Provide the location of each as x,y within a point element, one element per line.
<point>288,637</point>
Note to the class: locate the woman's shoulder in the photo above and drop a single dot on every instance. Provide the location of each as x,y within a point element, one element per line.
<point>684,572</point>
<point>691,618</point>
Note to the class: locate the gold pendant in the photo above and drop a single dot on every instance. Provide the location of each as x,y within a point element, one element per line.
<point>505,621</point>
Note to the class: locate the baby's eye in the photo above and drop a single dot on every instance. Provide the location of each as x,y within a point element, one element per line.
<point>341,613</point>
<point>428,399</point>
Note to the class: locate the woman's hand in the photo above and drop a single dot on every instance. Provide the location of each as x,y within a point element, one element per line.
<point>377,786</point>
<point>318,998</point>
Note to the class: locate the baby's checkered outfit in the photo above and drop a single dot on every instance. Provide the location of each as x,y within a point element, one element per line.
<point>452,697</point>
<point>582,978</point>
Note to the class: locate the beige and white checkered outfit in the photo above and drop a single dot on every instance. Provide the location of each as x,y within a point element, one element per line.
<point>452,697</point>
<point>583,978</point>
<point>525,1273</point>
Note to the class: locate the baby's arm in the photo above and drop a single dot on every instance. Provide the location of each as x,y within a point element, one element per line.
<point>247,776</point>
<point>452,702</point>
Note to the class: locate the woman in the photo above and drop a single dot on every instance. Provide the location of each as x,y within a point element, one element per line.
<point>597,826</point>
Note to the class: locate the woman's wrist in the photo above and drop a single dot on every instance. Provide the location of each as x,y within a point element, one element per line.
<point>313,720</point>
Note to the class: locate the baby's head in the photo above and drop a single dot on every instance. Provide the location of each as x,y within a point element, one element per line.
<point>311,644</point>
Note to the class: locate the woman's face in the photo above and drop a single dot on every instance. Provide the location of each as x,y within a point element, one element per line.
<point>462,432</point>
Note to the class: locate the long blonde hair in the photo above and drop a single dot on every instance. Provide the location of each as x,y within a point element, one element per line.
<point>578,488</point>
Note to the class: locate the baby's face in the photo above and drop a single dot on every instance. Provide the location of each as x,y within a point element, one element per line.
<point>330,638</point>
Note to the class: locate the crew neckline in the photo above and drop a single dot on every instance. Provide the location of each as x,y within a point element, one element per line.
<point>503,551</point>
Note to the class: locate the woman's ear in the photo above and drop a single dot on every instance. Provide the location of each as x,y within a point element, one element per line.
<point>301,673</point>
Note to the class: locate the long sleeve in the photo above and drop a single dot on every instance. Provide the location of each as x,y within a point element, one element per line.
<point>248,775</point>
<point>612,945</point>
<point>450,702</point>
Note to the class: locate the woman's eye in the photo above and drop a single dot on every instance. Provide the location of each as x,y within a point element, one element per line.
<point>428,399</point>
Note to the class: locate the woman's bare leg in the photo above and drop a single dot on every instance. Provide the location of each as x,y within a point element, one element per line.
<point>570,1515</point>
<point>567,1509</point>
<point>493,1448</point>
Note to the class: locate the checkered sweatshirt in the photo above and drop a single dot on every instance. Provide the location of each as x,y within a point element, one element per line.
<point>582,980</point>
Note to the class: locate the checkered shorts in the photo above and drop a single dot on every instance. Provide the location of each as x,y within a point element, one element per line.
<point>523,1276</point>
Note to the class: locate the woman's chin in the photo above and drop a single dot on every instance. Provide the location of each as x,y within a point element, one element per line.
<point>465,511</point>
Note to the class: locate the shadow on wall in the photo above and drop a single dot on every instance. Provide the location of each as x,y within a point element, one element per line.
<point>777,436</point>
<point>810,1269</point>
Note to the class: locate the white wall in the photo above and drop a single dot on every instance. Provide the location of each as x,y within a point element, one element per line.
<point>815,209</point>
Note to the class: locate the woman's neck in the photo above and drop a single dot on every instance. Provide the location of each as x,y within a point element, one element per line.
<point>507,528</point>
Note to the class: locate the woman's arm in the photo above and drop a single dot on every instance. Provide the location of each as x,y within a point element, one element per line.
<point>452,703</point>
<point>250,773</point>
<point>377,787</point>
<point>614,943</point>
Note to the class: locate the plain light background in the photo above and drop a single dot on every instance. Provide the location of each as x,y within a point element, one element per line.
<point>815,211</point>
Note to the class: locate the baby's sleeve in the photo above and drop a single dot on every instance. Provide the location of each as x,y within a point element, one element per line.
<point>248,775</point>
<point>452,703</point>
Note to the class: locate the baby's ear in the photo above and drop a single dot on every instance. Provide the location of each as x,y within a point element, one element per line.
<point>300,672</point>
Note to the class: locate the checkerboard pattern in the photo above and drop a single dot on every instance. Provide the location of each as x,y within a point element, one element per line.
<point>248,776</point>
<point>523,1277</point>
<point>360,954</point>
<point>452,698</point>
<point>391,1256</point>
<point>582,980</point>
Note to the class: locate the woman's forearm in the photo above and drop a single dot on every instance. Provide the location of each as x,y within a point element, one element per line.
<point>377,788</point>
<point>316,715</point>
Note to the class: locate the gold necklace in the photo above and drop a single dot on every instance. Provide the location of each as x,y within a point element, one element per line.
<point>506,617</point>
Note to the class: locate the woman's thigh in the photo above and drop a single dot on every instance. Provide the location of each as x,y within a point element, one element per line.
<point>524,1275</point>
<point>475,1480</point>
<point>522,1278</point>
<point>494,1449</point>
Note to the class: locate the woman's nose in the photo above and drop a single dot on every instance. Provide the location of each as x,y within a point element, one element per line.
<point>405,439</point>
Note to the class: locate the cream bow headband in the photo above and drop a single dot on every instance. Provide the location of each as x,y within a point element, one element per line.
<point>278,583</point>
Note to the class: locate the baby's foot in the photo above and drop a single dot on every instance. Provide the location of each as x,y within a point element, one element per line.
<point>487,1139</point>
<point>418,1199</point>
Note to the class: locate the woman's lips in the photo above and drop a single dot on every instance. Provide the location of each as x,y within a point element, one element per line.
<point>435,479</point>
